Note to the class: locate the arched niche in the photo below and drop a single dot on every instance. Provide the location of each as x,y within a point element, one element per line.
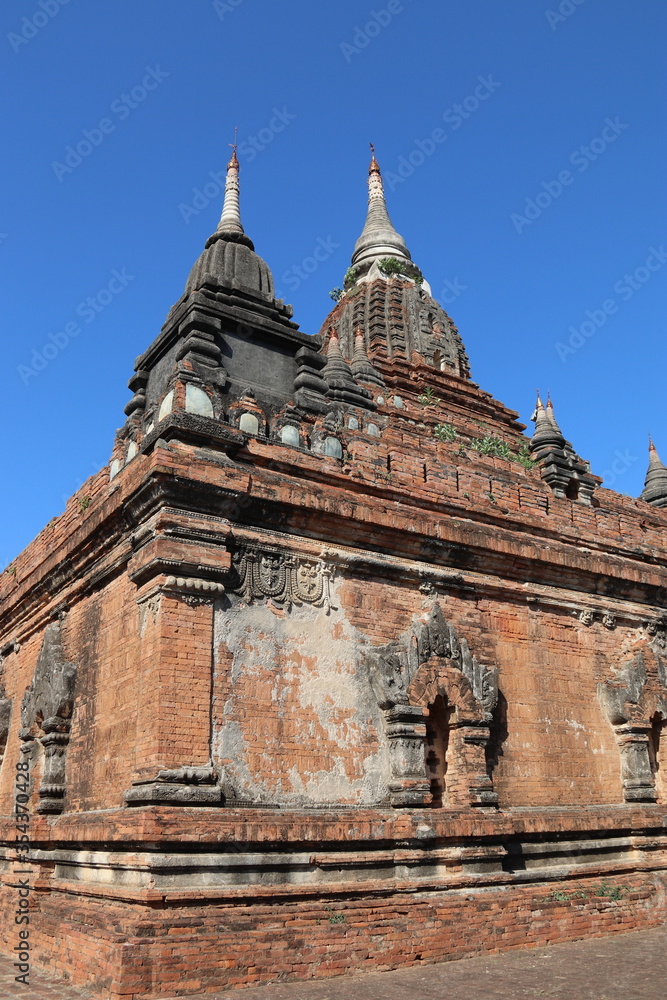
<point>438,702</point>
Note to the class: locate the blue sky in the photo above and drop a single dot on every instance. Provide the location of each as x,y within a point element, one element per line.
<point>536,198</point>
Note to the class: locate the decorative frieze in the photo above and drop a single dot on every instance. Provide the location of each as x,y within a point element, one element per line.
<point>285,578</point>
<point>194,585</point>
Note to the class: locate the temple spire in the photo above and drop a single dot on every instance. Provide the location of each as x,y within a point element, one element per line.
<point>551,417</point>
<point>547,430</point>
<point>230,220</point>
<point>655,485</point>
<point>343,387</point>
<point>360,364</point>
<point>378,238</point>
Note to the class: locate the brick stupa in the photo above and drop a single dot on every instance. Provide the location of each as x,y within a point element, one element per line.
<point>332,668</point>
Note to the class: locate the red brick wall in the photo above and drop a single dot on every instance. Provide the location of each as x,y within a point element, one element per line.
<point>559,749</point>
<point>133,951</point>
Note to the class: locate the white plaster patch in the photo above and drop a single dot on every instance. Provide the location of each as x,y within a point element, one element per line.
<point>317,692</point>
<point>249,423</point>
<point>290,435</point>
<point>166,406</point>
<point>197,401</point>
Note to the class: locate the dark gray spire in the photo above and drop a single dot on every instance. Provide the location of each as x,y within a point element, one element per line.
<point>361,366</point>
<point>567,474</point>
<point>341,383</point>
<point>229,260</point>
<point>379,238</point>
<point>547,432</point>
<point>655,485</point>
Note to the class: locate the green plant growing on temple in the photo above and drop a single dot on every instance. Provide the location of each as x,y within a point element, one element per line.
<point>427,397</point>
<point>610,891</point>
<point>492,446</point>
<point>351,276</point>
<point>389,266</point>
<point>84,503</point>
<point>335,918</point>
<point>445,432</point>
<point>522,456</point>
<point>336,294</point>
<point>496,448</point>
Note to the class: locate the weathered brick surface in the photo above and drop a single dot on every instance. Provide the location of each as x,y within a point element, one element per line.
<point>131,951</point>
<point>609,968</point>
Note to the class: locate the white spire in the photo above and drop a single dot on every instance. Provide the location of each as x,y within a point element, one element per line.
<point>230,220</point>
<point>378,238</point>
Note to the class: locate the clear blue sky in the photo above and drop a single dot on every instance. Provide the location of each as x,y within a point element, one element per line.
<point>169,79</point>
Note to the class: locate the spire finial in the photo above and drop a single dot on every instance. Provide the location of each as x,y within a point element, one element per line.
<point>539,407</point>
<point>375,185</point>
<point>230,220</point>
<point>234,159</point>
<point>653,456</point>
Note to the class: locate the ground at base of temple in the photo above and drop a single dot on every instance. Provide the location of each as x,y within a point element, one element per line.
<point>620,967</point>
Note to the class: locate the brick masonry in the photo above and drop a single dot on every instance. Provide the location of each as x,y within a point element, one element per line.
<point>285,711</point>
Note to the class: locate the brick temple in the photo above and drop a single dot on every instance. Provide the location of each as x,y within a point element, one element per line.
<point>332,668</point>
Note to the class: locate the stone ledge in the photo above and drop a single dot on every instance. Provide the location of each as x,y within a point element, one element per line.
<point>260,825</point>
